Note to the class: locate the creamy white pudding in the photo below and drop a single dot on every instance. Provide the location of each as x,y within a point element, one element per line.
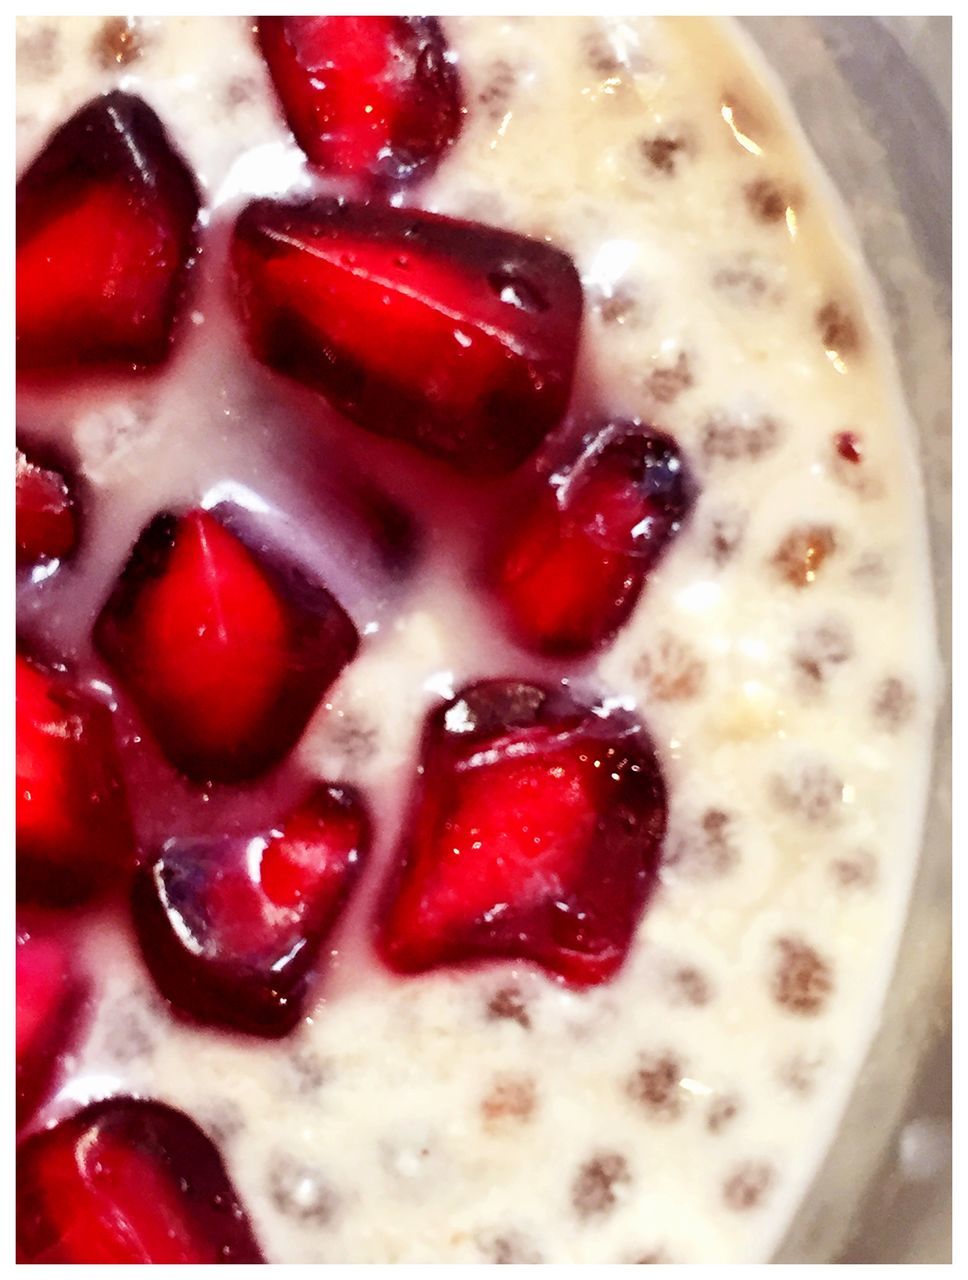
<point>782,657</point>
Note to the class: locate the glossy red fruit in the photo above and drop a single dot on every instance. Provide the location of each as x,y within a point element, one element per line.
<point>571,570</point>
<point>49,997</point>
<point>46,514</point>
<point>231,927</point>
<point>367,97</point>
<point>73,830</point>
<point>225,647</point>
<point>535,835</point>
<point>130,1181</point>
<point>459,339</point>
<point>105,229</point>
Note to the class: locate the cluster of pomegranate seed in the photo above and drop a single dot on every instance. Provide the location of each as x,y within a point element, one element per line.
<point>536,819</point>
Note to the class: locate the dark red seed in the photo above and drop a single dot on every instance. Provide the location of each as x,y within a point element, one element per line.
<point>105,229</point>
<point>225,647</point>
<point>457,338</point>
<point>50,993</point>
<point>376,98</point>
<point>849,446</point>
<point>128,1181</point>
<point>73,830</point>
<point>46,514</point>
<point>572,567</point>
<point>534,834</point>
<point>231,927</point>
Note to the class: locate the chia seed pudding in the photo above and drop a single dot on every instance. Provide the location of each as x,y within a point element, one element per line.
<point>780,658</point>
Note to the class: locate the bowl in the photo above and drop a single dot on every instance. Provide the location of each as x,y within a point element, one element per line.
<point>873,96</point>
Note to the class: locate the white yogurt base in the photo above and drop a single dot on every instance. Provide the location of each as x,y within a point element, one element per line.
<point>364,1138</point>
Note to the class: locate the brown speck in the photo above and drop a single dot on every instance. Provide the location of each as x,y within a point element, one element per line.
<point>838,329</point>
<point>767,201</point>
<point>620,306</point>
<point>38,52</point>
<point>811,790</point>
<point>129,1035</point>
<point>599,1183</point>
<point>300,1190</point>
<point>649,1257</point>
<point>715,823</point>
<point>689,986</point>
<point>118,42</point>
<point>666,382</point>
<point>239,91</point>
<point>723,535</point>
<point>497,92</point>
<point>893,704</point>
<point>872,573</point>
<point>655,1085</point>
<point>509,1098</point>
<point>600,54</point>
<point>664,152</point>
<point>821,649</point>
<point>508,1004</point>
<point>510,1247</point>
<point>748,1184</point>
<point>706,849</point>
<point>802,979</point>
<point>673,671</point>
<point>133,1041</point>
<point>733,440</point>
<point>798,1073</point>
<point>748,280</point>
<point>308,1070</point>
<point>351,736</point>
<point>721,1111</point>
<point>801,555</point>
<point>855,871</point>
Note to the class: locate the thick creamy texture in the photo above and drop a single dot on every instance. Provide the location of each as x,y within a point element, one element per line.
<point>678,1112</point>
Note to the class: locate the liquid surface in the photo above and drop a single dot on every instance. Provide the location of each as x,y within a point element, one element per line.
<point>490,1115</point>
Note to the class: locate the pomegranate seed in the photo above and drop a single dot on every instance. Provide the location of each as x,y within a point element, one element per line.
<point>368,97</point>
<point>225,648</point>
<point>457,338</point>
<point>73,829</point>
<point>46,514</point>
<point>128,1181</point>
<point>534,835</point>
<point>231,926</point>
<point>105,229</point>
<point>49,998</point>
<point>573,566</point>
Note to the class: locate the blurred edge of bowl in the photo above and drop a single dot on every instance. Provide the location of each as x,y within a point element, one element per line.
<point>883,1192</point>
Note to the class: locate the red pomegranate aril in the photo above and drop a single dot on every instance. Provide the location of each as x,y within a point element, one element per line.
<point>456,338</point>
<point>128,1181</point>
<point>571,570</point>
<point>231,927</point>
<point>73,829</point>
<point>534,835</point>
<point>49,997</point>
<point>374,98</point>
<point>225,648</point>
<point>46,518</point>
<point>105,230</point>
